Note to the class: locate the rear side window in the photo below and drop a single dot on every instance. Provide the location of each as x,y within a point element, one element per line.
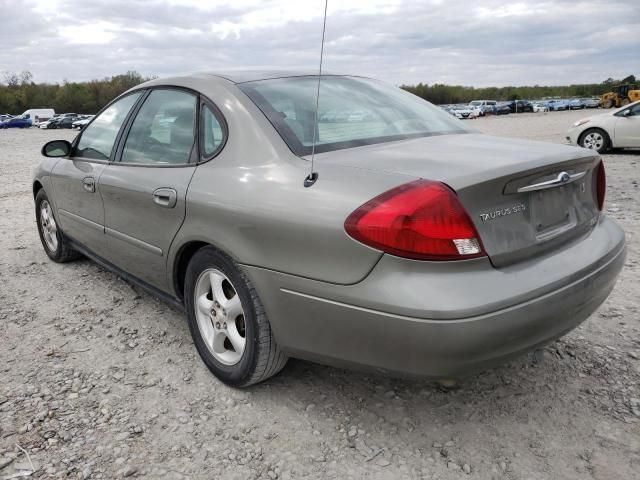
<point>212,132</point>
<point>97,139</point>
<point>163,132</point>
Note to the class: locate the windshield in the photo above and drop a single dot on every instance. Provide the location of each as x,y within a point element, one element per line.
<point>351,112</point>
<point>476,103</point>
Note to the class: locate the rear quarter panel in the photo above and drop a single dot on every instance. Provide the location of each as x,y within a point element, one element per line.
<point>251,203</point>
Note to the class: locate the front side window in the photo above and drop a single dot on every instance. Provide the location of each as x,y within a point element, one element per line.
<point>352,111</point>
<point>213,134</point>
<point>163,131</point>
<point>97,139</point>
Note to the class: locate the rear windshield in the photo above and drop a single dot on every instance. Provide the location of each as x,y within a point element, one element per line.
<point>352,112</point>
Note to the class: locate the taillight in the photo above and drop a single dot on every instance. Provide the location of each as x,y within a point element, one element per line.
<point>423,220</point>
<point>601,185</point>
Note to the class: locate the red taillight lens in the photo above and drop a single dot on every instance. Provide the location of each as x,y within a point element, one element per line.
<point>422,220</point>
<point>601,185</point>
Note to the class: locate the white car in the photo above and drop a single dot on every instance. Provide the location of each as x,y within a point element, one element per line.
<point>617,129</point>
<point>464,112</point>
<point>540,107</point>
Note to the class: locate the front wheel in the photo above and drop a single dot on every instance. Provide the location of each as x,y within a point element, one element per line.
<point>53,241</point>
<point>227,321</point>
<point>595,139</point>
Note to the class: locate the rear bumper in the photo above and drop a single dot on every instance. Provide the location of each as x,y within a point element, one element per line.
<point>418,318</point>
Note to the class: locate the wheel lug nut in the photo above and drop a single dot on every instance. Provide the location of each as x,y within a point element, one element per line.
<point>218,325</point>
<point>224,325</point>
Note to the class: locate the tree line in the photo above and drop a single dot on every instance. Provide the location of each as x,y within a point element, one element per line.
<point>18,92</point>
<point>444,94</point>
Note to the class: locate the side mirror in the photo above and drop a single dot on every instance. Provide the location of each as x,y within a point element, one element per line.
<point>56,148</point>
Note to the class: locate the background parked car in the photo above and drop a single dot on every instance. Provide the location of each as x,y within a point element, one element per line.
<point>81,121</point>
<point>591,102</point>
<point>617,129</point>
<point>484,106</point>
<point>520,106</point>
<point>61,122</point>
<point>463,112</point>
<point>540,107</point>
<point>502,109</point>
<point>557,105</point>
<point>576,104</point>
<point>45,125</point>
<point>16,122</point>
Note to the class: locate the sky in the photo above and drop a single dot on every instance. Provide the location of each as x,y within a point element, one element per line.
<point>471,42</point>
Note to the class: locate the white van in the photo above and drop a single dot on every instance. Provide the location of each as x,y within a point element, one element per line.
<point>37,115</point>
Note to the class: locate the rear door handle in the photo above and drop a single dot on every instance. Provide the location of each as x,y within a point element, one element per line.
<point>165,197</point>
<point>89,184</point>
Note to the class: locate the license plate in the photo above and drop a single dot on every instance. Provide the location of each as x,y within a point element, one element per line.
<point>552,211</point>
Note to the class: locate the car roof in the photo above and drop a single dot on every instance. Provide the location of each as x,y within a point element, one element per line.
<point>252,75</point>
<point>239,76</point>
<point>196,79</point>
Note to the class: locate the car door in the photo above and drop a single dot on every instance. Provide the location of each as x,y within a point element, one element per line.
<point>144,191</point>
<point>627,133</point>
<point>77,199</point>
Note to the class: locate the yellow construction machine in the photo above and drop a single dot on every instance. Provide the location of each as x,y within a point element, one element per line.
<point>620,96</point>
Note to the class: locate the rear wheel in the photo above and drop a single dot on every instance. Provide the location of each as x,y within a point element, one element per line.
<point>53,241</point>
<point>227,321</point>
<point>595,139</point>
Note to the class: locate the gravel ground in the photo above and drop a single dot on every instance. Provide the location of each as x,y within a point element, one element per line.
<point>100,380</point>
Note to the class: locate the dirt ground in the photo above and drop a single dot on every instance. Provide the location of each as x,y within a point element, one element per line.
<point>101,380</point>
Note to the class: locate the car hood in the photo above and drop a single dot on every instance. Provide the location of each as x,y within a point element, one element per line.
<point>598,117</point>
<point>459,160</point>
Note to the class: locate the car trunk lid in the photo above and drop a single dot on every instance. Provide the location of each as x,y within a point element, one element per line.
<point>524,197</point>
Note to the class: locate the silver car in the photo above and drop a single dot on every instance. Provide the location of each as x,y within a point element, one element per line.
<point>415,246</point>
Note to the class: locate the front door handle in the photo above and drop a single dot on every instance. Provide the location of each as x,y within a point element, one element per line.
<point>165,197</point>
<point>89,184</point>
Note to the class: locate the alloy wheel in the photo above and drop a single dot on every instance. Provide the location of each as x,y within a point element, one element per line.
<point>220,316</point>
<point>593,140</point>
<point>49,227</point>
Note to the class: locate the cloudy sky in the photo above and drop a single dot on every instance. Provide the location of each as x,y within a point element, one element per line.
<point>469,42</point>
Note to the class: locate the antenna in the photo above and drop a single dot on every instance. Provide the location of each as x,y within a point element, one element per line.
<point>313,176</point>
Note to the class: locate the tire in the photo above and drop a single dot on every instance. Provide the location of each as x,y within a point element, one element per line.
<point>238,347</point>
<point>608,104</point>
<point>595,139</point>
<point>55,244</point>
